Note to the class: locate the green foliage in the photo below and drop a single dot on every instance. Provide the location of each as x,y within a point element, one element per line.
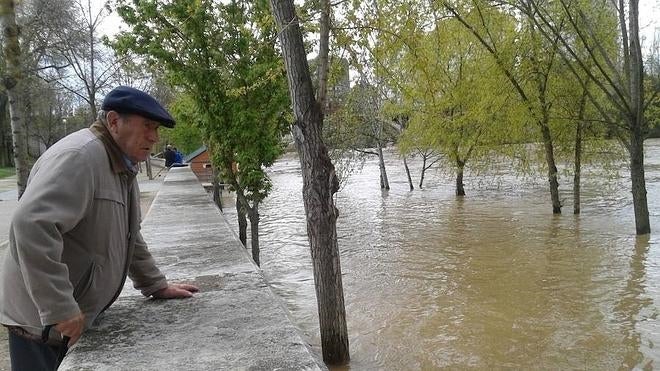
<point>223,56</point>
<point>7,172</point>
<point>187,134</point>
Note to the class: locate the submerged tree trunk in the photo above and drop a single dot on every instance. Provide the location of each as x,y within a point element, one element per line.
<point>253,213</point>
<point>640,204</point>
<point>405,165</point>
<point>320,183</point>
<point>552,168</point>
<point>384,182</point>
<point>636,123</point>
<point>13,82</point>
<point>421,176</point>
<point>578,168</point>
<point>242,222</point>
<point>578,154</point>
<point>460,166</point>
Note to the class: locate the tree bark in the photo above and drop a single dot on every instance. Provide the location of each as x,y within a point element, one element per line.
<point>253,213</point>
<point>578,167</point>
<point>384,182</point>
<point>578,154</point>
<point>552,168</point>
<point>421,176</point>
<point>460,167</point>
<point>13,81</point>
<point>637,177</point>
<point>320,182</point>
<point>5,138</point>
<point>324,49</point>
<point>217,192</point>
<point>150,172</point>
<point>242,222</point>
<point>636,123</point>
<point>405,165</point>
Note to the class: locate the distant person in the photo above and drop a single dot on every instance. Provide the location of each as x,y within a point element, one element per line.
<point>170,156</point>
<point>178,156</point>
<point>75,234</point>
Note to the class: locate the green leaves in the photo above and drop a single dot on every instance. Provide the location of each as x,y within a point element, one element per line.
<point>222,55</point>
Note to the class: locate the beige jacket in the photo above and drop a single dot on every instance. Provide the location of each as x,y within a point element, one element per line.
<point>75,235</point>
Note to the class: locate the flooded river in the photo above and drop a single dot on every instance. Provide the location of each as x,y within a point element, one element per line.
<point>491,281</point>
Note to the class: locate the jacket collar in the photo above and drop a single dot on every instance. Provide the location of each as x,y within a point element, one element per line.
<point>117,157</point>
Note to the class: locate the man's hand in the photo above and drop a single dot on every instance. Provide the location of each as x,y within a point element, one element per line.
<point>73,328</point>
<point>176,291</point>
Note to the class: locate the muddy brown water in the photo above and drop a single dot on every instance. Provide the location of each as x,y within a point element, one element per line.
<point>491,281</point>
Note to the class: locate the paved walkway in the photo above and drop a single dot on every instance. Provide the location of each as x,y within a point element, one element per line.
<point>234,323</point>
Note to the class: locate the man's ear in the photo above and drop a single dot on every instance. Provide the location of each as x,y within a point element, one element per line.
<point>113,121</point>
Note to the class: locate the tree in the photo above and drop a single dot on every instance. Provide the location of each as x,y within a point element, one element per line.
<point>222,56</point>
<point>12,81</point>
<point>320,183</point>
<point>358,125</point>
<point>522,56</point>
<point>619,73</point>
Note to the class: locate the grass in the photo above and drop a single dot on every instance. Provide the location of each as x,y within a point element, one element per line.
<point>7,171</point>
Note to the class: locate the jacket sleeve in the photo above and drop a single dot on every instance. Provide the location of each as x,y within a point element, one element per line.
<point>59,193</point>
<point>143,271</point>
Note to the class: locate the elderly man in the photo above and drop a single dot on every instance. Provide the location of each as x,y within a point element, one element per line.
<point>75,234</point>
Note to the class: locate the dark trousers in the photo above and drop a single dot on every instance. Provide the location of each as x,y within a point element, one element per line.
<point>29,355</point>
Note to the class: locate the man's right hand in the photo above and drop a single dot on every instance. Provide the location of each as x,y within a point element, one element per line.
<point>73,328</point>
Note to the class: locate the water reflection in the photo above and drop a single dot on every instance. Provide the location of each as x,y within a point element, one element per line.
<point>490,281</point>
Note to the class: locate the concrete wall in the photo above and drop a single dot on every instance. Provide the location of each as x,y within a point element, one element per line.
<point>234,323</point>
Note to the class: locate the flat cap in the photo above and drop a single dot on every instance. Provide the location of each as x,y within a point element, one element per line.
<point>124,99</point>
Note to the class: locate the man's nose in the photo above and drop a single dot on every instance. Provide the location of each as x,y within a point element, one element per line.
<point>152,135</point>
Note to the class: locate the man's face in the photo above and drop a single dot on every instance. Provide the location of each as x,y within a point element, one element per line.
<point>135,135</point>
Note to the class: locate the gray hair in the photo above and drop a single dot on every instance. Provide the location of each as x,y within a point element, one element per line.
<point>103,117</point>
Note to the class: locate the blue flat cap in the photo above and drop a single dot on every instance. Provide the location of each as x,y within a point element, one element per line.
<point>124,99</point>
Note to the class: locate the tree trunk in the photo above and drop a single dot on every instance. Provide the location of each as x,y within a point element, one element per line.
<point>405,165</point>
<point>421,176</point>
<point>324,48</point>
<point>5,140</point>
<point>319,185</point>
<point>92,67</point>
<point>578,154</point>
<point>637,178</point>
<point>242,222</point>
<point>578,167</point>
<point>636,124</point>
<point>384,182</point>
<point>150,172</point>
<point>254,232</point>
<point>13,81</point>
<point>460,166</point>
<point>552,168</point>
<point>217,191</point>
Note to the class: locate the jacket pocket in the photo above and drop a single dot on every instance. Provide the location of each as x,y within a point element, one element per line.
<point>109,195</point>
<point>85,282</point>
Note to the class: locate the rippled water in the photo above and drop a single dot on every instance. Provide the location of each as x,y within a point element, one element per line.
<point>491,281</point>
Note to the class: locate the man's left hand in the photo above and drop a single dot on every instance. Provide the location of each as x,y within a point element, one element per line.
<point>176,291</point>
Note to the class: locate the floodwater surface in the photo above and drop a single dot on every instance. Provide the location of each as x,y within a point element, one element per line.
<point>489,281</point>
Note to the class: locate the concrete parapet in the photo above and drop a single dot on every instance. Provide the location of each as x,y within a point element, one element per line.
<point>234,323</point>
